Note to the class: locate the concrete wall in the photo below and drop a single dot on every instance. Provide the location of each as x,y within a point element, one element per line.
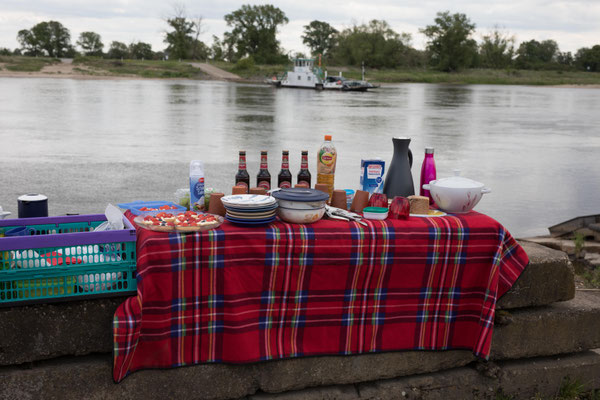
<point>63,351</point>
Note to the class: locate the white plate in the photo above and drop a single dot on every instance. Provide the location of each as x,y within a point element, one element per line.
<point>248,200</point>
<point>430,215</point>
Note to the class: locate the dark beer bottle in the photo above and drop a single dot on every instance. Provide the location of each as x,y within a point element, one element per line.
<point>242,178</point>
<point>263,179</point>
<point>304,174</point>
<point>284,179</point>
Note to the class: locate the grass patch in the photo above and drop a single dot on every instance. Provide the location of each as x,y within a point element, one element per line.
<point>425,75</point>
<point>570,390</point>
<point>26,64</point>
<point>142,68</point>
<point>591,278</point>
<point>256,72</point>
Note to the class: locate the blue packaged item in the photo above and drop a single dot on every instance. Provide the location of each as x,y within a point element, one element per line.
<point>197,186</point>
<point>371,178</point>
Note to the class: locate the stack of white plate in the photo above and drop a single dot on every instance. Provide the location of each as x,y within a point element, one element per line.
<point>249,209</point>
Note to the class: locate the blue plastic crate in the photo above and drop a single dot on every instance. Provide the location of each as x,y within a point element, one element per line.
<point>135,206</point>
<point>61,258</point>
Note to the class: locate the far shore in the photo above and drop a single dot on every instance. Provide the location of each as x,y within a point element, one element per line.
<point>79,76</point>
<point>136,70</point>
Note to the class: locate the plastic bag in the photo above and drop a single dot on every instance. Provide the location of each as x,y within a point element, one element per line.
<point>114,220</point>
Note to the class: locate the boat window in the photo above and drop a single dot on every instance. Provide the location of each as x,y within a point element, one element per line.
<point>299,77</point>
<point>308,78</point>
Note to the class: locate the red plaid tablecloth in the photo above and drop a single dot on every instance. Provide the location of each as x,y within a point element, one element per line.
<point>238,294</point>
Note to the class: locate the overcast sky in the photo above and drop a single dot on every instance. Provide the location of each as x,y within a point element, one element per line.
<point>572,23</point>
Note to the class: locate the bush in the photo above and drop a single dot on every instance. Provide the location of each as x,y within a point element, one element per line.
<point>244,64</point>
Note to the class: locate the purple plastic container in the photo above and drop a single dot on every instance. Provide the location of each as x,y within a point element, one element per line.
<point>42,239</point>
<point>428,173</point>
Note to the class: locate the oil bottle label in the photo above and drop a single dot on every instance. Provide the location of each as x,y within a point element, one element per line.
<point>327,158</point>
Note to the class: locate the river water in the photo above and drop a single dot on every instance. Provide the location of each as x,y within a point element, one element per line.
<point>86,143</point>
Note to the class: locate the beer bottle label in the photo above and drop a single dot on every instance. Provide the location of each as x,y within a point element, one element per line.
<point>285,185</point>
<point>242,162</point>
<point>264,184</point>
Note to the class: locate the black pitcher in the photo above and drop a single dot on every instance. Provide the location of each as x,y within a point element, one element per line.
<point>398,181</point>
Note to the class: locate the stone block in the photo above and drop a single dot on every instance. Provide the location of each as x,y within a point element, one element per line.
<point>285,375</point>
<point>523,379</point>
<point>90,378</point>
<point>345,392</point>
<point>559,328</point>
<point>46,331</point>
<point>548,278</point>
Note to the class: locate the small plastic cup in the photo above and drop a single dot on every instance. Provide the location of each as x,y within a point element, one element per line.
<point>338,199</point>
<point>215,206</point>
<point>360,201</point>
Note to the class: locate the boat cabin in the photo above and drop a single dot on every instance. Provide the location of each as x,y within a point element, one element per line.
<point>303,74</point>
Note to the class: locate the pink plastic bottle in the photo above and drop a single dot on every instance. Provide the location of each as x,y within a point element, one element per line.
<point>428,173</point>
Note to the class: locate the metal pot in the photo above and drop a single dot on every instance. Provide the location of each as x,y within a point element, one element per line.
<point>456,194</point>
<point>33,205</point>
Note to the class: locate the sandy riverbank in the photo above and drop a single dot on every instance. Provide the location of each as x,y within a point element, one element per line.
<point>65,71</point>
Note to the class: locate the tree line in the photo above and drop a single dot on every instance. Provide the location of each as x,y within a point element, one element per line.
<point>252,37</point>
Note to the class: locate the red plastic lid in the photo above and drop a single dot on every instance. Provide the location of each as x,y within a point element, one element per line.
<point>327,137</point>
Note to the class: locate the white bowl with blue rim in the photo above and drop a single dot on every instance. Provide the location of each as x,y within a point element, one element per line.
<point>300,205</point>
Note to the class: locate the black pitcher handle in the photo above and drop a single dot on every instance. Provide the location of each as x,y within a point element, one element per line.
<point>410,158</point>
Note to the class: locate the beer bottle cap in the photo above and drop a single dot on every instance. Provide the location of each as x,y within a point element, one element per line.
<point>328,137</point>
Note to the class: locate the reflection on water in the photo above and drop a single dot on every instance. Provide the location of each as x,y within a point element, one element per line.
<point>535,147</point>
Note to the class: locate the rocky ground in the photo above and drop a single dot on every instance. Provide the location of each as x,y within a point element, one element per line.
<point>585,261</point>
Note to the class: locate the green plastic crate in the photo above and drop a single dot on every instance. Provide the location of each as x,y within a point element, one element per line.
<point>61,258</point>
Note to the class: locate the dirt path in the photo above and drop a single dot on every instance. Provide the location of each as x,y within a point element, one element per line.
<point>216,72</point>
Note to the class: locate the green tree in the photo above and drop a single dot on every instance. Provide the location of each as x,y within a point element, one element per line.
<point>450,44</point>
<point>375,44</point>
<point>319,37</point>
<point>254,32</point>
<point>180,39</point>
<point>51,38</point>
<point>497,50</point>
<point>90,43</point>
<point>565,58</point>
<point>588,59</point>
<point>216,50</point>
<point>117,50</point>
<point>141,50</point>
<point>536,55</point>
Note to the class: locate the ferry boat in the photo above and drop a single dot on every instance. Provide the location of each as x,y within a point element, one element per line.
<point>306,75</point>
